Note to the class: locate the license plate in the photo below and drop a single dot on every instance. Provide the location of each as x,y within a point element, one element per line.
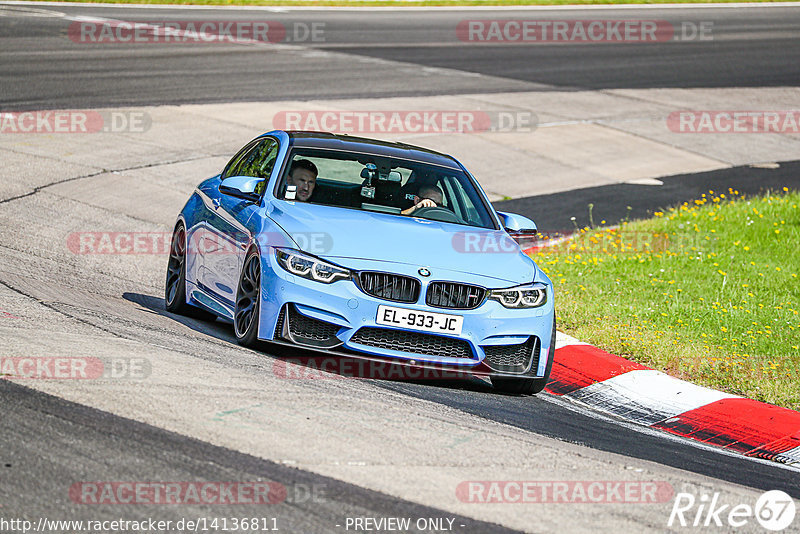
<point>440,323</point>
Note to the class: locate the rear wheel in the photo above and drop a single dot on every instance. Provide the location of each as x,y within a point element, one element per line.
<point>246,314</point>
<point>175,286</point>
<point>528,386</point>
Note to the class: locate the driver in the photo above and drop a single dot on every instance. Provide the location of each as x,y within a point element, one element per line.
<point>429,196</point>
<point>303,175</point>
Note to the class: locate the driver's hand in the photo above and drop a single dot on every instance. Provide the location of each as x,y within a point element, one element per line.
<point>420,203</point>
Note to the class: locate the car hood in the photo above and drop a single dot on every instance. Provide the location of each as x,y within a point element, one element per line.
<point>336,234</point>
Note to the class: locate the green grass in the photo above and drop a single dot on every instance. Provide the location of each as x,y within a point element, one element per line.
<point>411,3</point>
<point>707,292</point>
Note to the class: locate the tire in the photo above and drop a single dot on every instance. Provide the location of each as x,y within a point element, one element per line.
<point>175,285</point>
<point>528,386</point>
<point>248,301</point>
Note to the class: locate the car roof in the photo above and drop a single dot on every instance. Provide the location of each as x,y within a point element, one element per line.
<point>344,142</point>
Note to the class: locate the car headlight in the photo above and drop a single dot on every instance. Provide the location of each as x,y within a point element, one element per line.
<point>524,296</point>
<point>307,266</point>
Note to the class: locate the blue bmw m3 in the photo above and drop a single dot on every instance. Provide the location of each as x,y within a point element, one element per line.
<point>365,248</point>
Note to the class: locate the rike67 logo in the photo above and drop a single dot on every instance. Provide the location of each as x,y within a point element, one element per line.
<point>774,510</point>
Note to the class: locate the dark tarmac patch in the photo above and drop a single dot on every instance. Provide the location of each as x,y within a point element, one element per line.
<point>553,213</point>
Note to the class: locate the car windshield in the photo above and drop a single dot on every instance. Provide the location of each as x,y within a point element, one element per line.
<point>384,184</point>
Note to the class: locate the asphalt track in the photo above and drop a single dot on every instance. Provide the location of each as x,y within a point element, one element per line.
<point>560,421</point>
<point>752,47</point>
<point>103,446</point>
<point>548,416</point>
<point>40,69</point>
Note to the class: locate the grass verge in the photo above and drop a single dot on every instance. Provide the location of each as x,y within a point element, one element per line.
<point>707,291</point>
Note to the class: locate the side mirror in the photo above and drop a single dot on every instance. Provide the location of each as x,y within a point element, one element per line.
<point>243,187</point>
<point>517,224</point>
<point>521,229</point>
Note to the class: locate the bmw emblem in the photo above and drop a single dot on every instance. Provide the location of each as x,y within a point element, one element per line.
<point>424,272</point>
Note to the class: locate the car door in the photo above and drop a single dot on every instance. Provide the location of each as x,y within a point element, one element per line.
<point>227,236</point>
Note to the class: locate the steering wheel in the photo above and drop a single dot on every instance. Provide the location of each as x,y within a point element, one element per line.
<point>437,213</point>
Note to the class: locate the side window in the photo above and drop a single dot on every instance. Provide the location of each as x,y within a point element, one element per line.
<point>257,161</point>
<point>450,193</point>
<point>463,204</point>
<point>233,163</point>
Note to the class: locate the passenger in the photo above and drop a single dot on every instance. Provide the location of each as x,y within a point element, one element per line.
<point>429,196</point>
<point>303,175</point>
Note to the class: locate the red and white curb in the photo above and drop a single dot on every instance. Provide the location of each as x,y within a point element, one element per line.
<point>641,395</point>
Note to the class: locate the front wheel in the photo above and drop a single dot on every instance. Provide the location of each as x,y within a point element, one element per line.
<point>528,386</point>
<point>246,314</point>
